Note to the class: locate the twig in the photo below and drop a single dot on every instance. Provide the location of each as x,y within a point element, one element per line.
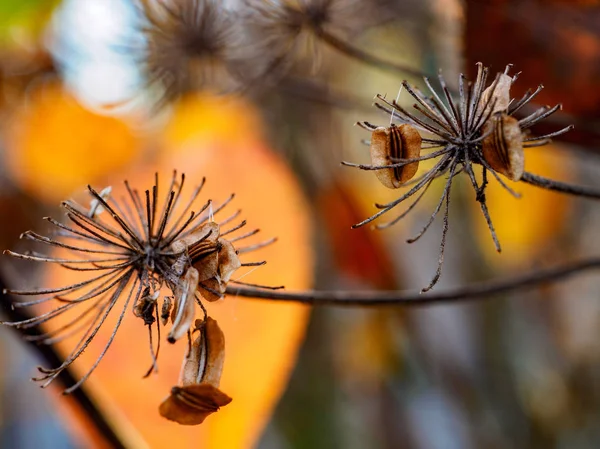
<point>480,290</point>
<point>550,184</point>
<point>367,58</point>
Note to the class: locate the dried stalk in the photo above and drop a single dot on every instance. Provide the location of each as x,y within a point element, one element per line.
<point>478,291</point>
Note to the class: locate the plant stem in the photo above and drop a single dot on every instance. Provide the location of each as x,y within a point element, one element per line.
<point>550,184</point>
<point>479,290</point>
<point>367,58</point>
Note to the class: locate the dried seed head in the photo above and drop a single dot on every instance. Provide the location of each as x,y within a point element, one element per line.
<point>189,44</point>
<point>475,128</point>
<point>389,146</point>
<point>130,252</point>
<point>503,147</point>
<point>190,405</point>
<point>284,31</point>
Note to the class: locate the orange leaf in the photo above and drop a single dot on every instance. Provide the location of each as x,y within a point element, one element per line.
<point>55,145</point>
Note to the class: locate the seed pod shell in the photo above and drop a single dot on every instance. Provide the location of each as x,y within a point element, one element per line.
<point>184,307</point>
<point>190,405</point>
<point>395,142</point>
<point>500,93</point>
<point>503,148</point>
<point>205,361</point>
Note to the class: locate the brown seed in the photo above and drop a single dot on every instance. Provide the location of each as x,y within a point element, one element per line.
<point>205,361</point>
<point>190,405</point>
<point>395,142</point>
<point>503,148</point>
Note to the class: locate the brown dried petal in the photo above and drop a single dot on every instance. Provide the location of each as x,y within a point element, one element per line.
<point>205,362</point>
<point>396,142</point>
<point>184,310</point>
<point>191,404</point>
<point>503,148</point>
<point>501,94</point>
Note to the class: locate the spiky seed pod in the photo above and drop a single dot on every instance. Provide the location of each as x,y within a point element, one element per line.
<point>389,146</point>
<point>189,45</point>
<point>132,249</point>
<point>502,149</point>
<point>476,128</point>
<point>289,30</point>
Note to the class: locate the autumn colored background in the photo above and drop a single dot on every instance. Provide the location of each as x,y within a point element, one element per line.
<point>517,371</point>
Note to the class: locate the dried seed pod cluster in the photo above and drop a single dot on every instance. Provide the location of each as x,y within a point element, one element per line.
<point>134,250</point>
<point>477,128</point>
<point>225,46</point>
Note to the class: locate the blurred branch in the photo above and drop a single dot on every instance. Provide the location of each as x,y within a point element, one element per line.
<point>562,187</point>
<point>365,57</point>
<point>481,290</point>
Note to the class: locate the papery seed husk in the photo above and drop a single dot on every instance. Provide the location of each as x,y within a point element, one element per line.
<point>206,359</point>
<point>204,240</point>
<point>165,312</point>
<point>503,148</point>
<point>184,310</point>
<point>229,261</point>
<point>212,284</point>
<point>191,404</point>
<point>501,94</point>
<point>395,142</point>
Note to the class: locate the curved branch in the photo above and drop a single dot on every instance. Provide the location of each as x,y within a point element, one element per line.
<point>479,290</point>
<point>363,56</point>
<point>562,187</point>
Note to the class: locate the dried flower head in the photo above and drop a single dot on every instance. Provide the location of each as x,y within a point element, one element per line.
<point>132,248</point>
<point>189,44</point>
<point>478,128</point>
<point>291,29</point>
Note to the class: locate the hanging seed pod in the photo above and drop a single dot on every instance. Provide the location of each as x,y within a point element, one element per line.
<point>190,405</point>
<point>184,308</point>
<point>204,364</point>
<point>393,143</point>
<point>199,395</point>
<point>500,94</point>
<point>503,147</point>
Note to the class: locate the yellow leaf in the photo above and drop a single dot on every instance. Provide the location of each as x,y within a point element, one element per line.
<point>525,226</point>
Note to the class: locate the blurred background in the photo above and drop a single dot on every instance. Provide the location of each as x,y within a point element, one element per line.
<point>98,91</point>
